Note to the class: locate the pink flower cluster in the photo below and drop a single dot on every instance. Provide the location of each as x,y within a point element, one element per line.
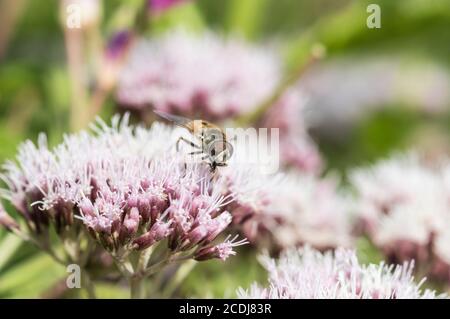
<point>217,79</point>
<point>127,186</point>
<point>404,207</point>
<point>297,150</point>
<point>197,76</point>
<point>308,274</point>
<point>289,209</point>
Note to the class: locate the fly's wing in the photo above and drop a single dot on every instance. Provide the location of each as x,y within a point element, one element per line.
<point>178,120</point>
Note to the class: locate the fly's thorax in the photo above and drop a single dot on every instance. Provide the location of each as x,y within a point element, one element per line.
<point>213,141</point>
<point>213,135</point>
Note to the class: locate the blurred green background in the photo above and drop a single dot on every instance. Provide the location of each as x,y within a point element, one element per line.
<point>35,96</point>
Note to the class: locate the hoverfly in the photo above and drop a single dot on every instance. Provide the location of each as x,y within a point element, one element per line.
<point>211,142</point>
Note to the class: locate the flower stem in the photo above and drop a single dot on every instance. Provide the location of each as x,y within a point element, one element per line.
<point>144,258</point>
<point>137,287</point>
<point>285,84</point>
<point>88,284</point>
<point>181,273</point>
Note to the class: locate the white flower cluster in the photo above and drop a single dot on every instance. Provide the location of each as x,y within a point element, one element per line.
<point>198,74</point>
<point>128,186</point>
<point>309,274</point>
<point>288,209</point>
<point>404,206</point>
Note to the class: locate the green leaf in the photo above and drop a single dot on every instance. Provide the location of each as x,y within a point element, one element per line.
<point>9,144</point>
<point>333,30</point>
<point>111,291</point>
<point>31,277</point>
<point>186,15</point>
<point>221,279</point>
<point>345,30</point>
<point>8,246</point>
<point>367,252</point>
<point>123,15</point>
<point>245,16</point>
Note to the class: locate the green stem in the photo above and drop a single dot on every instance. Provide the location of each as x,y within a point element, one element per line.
<point>285,84</point>
<point>10,13</point>
<point>144,258</point>
<point>137,287</point>
<point>88,284</point>
<point>156,267</point>
<point>74,43</point>
<point>8,246</point>
<point>124,265</point>
<point>180,274</point>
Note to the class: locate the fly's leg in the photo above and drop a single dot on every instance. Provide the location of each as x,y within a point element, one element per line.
<point>213,166</point>
<point>211,162</point>
<point>205,157</point>
<point>195,153</point>
<point>192,144</point>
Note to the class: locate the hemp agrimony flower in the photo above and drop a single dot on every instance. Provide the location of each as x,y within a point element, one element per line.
<point>308,274</point>
<point>403,206</point>
<point>237,78</point>
<point>283,210</point>
<point>161,74</point>
<point>124,189</point>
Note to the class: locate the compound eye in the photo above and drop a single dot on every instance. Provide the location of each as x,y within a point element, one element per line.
<point>213,135</point>
<point>220,151</point>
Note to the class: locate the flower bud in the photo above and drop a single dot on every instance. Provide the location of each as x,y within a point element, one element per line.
<point>132,201</point>
<point>197,234</point>
<point>158,206</point>
<point>143,241</point>
<point>117,47</point>
<point>127,230</point>
<point>197,204</point>
<point>131,222</point>
<point>205,253</point>
<point>86,207</point>
<point>144,209</point>
<point>159,231</point>
<point>221,251</point>
<point>6,220</point>
<point>20,205</point>
<point>181,219</point>
<point>217,225</point>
